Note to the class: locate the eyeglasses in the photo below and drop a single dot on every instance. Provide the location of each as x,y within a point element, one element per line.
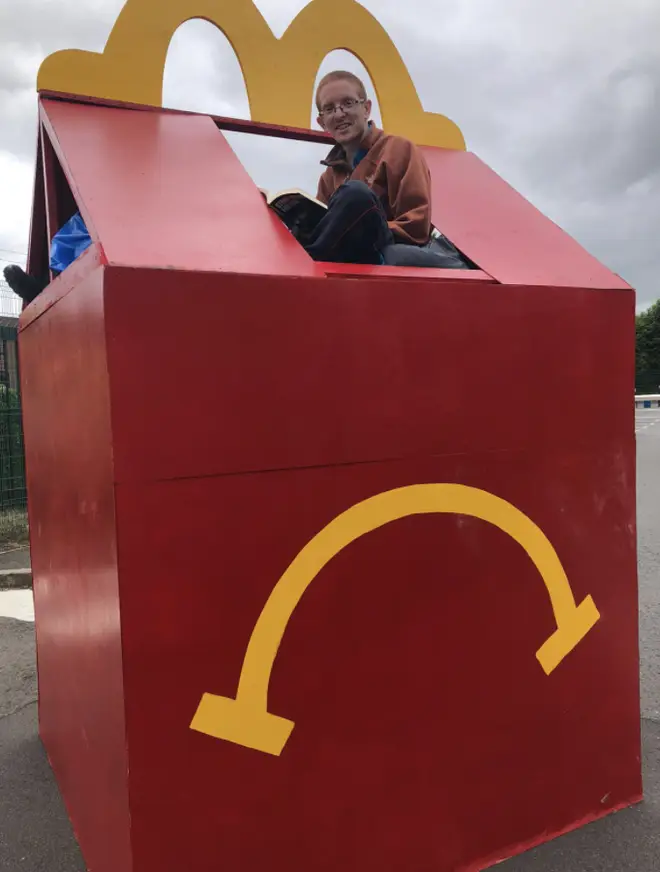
<point>346,106</point>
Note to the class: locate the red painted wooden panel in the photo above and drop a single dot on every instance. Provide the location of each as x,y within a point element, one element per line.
<point>405,272</point>
<point>426,734</point>
<point>38,244</point>
<point>68,443</point>
<point>270,374</point>
<point>123,162</point>
<point>502,232</point>
<point>167,191</point>
<point>239,125</point>
<point>88,261</point>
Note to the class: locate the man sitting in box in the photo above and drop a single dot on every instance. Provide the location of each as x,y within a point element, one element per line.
<point>377,188</point>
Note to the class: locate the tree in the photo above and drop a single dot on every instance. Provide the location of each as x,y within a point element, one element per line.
<point>647,350</point>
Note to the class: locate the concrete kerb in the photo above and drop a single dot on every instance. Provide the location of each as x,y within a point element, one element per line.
<point>15,579</point>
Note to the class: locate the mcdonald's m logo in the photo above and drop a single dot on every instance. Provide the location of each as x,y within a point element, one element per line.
<point>279,73</point>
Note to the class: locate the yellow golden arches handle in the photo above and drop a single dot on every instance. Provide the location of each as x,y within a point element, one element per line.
<point>279,74</point>
<point>246,720</point>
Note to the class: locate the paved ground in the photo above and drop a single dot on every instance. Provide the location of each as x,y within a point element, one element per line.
<point>648,524</point>
<point>35,835</point>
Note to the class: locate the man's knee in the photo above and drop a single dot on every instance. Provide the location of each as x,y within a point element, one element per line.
<point>354,191</point>
<point>400,254</point>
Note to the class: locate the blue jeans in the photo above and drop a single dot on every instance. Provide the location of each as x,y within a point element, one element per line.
<point>438,253</point>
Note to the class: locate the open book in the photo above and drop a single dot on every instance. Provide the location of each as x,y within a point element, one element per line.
<point>298,210</point>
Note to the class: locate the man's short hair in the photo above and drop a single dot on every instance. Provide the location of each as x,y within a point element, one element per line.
<point>341,75</point>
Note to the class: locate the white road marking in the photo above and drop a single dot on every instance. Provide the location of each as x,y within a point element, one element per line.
<point>17,604</point>
<point>645,418</point>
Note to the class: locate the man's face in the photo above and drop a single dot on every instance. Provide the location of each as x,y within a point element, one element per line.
<point>345,125</point>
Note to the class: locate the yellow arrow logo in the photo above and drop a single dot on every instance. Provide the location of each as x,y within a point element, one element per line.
<point>246,720</point>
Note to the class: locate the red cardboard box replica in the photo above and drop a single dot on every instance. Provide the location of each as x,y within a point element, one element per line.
<point>334,566</point>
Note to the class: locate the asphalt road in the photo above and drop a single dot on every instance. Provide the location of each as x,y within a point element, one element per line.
<point>35,834</point>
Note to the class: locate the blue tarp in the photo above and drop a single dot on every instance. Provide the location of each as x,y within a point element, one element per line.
<point>69,243</point>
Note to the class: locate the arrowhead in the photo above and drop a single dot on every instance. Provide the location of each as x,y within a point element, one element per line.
<point>241,723</point>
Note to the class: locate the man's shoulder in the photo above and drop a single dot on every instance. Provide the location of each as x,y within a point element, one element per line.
<point>399,140</point>
<point>394,143</point>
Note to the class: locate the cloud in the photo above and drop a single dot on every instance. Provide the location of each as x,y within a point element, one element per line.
<point>562,99</point>
<point>17,181</point>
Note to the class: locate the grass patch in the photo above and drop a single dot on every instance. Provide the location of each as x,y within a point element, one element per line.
<point>14,528</point>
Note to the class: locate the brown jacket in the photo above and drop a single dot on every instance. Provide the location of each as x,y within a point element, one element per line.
<point>396,171</point>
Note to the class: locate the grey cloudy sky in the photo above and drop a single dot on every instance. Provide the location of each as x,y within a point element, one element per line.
<point>561,98</point>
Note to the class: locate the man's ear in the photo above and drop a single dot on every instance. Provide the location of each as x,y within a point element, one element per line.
<point>321,121</point>
<point>367,108</point>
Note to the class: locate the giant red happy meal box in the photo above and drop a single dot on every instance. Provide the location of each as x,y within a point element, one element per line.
<point>334,566</point>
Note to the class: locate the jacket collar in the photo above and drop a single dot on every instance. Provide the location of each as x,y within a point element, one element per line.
<point>337,156</point>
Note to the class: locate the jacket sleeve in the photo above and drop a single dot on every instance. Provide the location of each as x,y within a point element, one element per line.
<point>324,191</point>
<point>409,194</point>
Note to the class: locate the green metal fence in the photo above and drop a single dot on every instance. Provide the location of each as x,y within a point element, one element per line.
<point>12,457</point>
